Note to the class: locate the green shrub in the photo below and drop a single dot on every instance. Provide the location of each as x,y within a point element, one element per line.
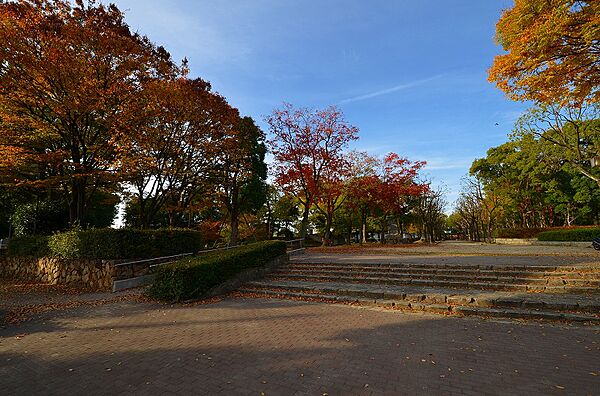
<point>572,235</point>
<point>192,277</point>
<point>109,243</point>
<point>36,246</point>
<point>42,217</point>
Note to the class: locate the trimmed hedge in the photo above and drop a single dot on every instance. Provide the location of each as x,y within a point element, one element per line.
<point>574,235</point>
<point>108,243</point>
<point>192,277</point>
<point>36,245</point>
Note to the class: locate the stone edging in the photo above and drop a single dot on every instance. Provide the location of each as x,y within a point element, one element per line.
<point>535,242</point>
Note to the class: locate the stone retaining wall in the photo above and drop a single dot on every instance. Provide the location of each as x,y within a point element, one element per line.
<point>94,274</point>
<point>515,241</point>
<point>535,242</point>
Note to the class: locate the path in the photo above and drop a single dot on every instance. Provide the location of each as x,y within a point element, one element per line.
<point>246,347</point>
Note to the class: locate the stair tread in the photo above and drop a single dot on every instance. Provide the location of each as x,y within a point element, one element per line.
<point>434,277</point>
<point>579,299</point>
<point>465,310</point>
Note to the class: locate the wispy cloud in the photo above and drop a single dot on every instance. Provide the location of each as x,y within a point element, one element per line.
<point>444,163</point>
<point>390,90</point>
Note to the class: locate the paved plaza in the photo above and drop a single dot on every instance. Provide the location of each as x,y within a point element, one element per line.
<point>103,343</point>
<point>275,347</point>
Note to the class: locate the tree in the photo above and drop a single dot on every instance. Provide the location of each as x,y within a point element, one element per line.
<point>331,194</point>
<point>306,144</point>
<point>573,129</point>
<point>70,78</point>
<point>383,188</point>
<point>553,51</point>
<point>170,161</point>
<point>241,172</point>
<point>398,188</point>
<point>285,215</point>
<point>525,183</point>
<point>430,212</point>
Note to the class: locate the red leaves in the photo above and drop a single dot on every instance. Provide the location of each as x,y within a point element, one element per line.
<point>308,148</point>
<point>387,185</point>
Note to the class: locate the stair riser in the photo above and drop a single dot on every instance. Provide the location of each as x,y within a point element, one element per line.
<point>428,307</point>
<point>464,272</point>
<point>452,300</point>
<point>435,276</point>
<point>443,277</point>
<point>440,283</point>
<point>426,267</point>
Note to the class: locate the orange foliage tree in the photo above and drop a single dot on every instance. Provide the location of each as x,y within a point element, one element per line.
<point>553,51</point>
<point>70,78</point>
<point>170,160</point>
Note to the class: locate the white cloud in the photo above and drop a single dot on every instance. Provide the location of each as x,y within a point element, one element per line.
<point>390,90</point>
<point>448,163</point>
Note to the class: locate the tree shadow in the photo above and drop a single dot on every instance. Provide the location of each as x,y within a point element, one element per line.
<point>280,347</point>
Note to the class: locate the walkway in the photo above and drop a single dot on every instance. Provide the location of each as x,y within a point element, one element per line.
<point>275,347</point>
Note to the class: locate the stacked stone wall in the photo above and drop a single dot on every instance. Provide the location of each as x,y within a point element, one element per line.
<point>94,274</point>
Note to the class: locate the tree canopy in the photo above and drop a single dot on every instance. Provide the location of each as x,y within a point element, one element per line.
<point>553,51</point>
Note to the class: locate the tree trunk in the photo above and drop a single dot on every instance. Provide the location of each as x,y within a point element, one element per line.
<point>77,201</point>
<point>233,239</point>
<point>349,234</point>
<point>327,235</point>
<point>383,230</point>
<point>304,224</point>
<point>234,214</point>
<point>269,225</point>
<point>363,226</point>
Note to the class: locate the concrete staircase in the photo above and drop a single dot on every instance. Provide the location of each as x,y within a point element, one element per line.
<point>569,293</point>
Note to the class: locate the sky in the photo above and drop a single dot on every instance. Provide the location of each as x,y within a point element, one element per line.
<point>411,75</point>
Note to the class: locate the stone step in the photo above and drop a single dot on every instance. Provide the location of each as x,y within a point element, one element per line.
<point>438,301</point>
<point>588,303</point>
<point>497,271</point>
<point>594,267</point>
<point>484,277</point>
<point>460,284</point>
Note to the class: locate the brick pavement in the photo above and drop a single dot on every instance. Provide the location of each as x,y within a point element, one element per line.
<point>245,347</point>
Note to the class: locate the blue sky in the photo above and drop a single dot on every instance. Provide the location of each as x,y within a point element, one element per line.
<point>411,75</point>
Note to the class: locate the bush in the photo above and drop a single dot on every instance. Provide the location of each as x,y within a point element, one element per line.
<point>43,217</point>
<point>36,245</point>
<point>109,243</point>
<point>194,276</point>
<point>572,235</point>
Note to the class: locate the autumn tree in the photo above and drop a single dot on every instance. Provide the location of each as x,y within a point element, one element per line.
<point>307,144</point>
<point>383,188</point>
<point>399,186</point>
<point>170,160</point>
<point>332,194</point>
<point>364,186</point>
<point>553,51</point>
<point>70,76</point>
